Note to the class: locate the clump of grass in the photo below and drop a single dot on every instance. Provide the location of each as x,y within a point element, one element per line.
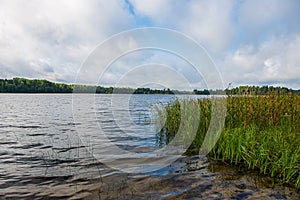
<point>180,113</point>
<point>261,133</point>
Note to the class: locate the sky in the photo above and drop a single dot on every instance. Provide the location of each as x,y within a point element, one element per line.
<point>250,42</point>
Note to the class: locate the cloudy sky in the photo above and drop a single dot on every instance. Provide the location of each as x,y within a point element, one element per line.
<point>254,42</point>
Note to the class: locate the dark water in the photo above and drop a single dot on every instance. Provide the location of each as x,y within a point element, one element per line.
<point>105,147</point>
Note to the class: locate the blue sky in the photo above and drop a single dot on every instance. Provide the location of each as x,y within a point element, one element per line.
<point>254,42</point>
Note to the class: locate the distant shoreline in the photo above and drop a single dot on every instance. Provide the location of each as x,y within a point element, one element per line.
<point>36,86</point>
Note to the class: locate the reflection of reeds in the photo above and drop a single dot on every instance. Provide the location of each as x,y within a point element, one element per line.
<point>261,132</point>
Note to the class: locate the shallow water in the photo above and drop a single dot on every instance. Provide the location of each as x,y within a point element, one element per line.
<point>210,180</point>
<point>102,146</point>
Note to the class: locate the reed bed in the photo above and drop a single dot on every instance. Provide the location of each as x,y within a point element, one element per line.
<point>260,133</point>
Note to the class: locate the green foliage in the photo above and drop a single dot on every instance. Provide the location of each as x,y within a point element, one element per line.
<point>264,90</point>
<point>22,85</point>
<point>201,92</point>
<point>152,91</point>
<point>261,133</point>
<point>248,90</point>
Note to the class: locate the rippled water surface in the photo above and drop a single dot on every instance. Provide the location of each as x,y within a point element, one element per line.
<point>103,147</point>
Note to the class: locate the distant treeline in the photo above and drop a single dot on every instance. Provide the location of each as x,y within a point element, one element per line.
<point>263,90</point>
<point>110,90</point>
<point>22,85</point>
<point>248,90</point>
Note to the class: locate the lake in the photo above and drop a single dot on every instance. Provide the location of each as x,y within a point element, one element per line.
<point>105,147</point>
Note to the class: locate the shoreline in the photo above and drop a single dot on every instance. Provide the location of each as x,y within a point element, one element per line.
<point>260,133</point>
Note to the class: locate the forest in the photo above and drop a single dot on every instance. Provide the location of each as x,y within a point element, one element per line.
<point>248,90</point>
<point>263,90</point>
<point>23,85</point>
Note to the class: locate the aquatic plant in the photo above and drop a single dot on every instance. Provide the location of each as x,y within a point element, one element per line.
<point>261,133</point>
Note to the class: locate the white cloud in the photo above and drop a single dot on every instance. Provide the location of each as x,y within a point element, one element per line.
<point>261,16</point>
<point>142,66</point>
<point>274,61</point>
<point>207,21</point>
<point>252,41</point>
<point>158,10</point>
<point>271,67</point>
<point>61,32</point>
<point>210,23</point>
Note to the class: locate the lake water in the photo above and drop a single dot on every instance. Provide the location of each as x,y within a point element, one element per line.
<point>104,147</point>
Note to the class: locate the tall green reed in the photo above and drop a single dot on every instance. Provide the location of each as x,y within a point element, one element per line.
<point>261,132</point>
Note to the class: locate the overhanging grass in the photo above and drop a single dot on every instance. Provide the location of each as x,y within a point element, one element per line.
<point>260,133</point>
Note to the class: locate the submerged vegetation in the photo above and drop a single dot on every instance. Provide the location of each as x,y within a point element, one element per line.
<point>260,133</point>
